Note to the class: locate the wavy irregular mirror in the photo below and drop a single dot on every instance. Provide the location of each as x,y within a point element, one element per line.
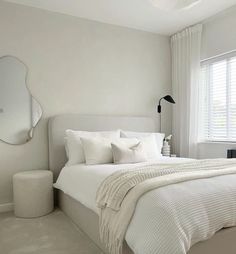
<point>19,111</point>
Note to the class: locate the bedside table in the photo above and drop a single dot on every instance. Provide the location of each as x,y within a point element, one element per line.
<point>33,193</point>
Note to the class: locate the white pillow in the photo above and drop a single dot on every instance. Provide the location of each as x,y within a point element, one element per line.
<point>73,145</point>
<point>133,154</point>
<point>97,150</point>
<point>153,150</point>
<point>126,142</point>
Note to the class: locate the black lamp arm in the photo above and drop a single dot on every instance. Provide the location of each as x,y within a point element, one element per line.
<point>160,100</point>
<point>159,106</point>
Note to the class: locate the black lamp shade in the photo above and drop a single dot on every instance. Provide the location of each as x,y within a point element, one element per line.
<point>169,99</point>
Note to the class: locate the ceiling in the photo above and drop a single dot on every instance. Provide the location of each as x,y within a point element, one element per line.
<point>138,14</point>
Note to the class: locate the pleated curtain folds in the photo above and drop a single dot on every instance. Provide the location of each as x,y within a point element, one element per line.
<point>186,50</point>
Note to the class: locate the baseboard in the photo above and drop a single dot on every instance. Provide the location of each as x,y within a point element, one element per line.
<point>6,207</point>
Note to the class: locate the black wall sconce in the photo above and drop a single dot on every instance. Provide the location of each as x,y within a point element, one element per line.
<point>169,99</point>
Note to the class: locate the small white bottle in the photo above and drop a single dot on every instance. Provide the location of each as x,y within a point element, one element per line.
<point>166,149</point>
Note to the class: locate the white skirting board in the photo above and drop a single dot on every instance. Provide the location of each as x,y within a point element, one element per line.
<point>6,207</point>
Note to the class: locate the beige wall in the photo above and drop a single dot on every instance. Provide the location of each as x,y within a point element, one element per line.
<point>80,66</point>
<point>219,36</point>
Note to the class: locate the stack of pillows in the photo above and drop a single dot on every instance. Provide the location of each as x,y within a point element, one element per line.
<point>112,147</point>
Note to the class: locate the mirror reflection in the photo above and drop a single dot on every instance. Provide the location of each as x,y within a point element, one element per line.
<point>19,111</point>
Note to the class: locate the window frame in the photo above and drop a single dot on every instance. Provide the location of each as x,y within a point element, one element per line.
<point>207,95</point>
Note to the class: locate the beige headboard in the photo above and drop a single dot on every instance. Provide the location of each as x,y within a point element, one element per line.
<point>58,125</point>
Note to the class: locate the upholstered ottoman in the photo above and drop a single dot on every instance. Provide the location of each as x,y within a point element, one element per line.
<point>33,193</point>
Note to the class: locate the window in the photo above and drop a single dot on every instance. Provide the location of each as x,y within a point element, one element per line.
<point>218,94</point>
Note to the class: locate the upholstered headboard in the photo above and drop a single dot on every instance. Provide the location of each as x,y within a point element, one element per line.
<point>58,125</point>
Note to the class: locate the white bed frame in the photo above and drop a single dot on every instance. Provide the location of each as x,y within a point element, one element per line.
<point>222,242</point>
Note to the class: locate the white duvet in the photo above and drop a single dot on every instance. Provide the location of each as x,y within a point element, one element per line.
<point>81,181</point>
<point>150,228</point>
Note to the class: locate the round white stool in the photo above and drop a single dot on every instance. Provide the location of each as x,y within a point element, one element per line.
<point>33,193</point>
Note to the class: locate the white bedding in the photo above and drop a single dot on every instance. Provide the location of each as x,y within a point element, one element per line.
<point>178,210</point>
<point>187,203</point>
<point>81,181</point>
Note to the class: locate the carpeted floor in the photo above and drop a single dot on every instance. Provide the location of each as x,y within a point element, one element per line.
<point>51,234</point>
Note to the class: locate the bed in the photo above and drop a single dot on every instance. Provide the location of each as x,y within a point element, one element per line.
<point>83,213</point>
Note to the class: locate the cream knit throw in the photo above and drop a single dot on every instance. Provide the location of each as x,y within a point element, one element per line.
<point>118,194</point>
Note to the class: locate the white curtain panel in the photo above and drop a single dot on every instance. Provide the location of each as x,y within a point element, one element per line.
<point>186,49</point>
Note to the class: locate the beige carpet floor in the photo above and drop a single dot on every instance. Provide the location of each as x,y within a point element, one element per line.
<point>51,234</point>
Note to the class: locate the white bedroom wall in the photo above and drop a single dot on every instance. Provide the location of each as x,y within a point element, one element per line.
<point>219,36</point>
<point>79,66</point>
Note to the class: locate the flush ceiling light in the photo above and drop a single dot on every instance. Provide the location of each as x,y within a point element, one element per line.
<point>169,5</point>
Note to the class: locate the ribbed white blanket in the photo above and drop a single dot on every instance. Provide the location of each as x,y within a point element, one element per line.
<point>119,193</point>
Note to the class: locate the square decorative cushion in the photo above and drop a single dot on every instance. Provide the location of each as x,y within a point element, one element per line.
<point>132,154</point>
<point>97,150</point>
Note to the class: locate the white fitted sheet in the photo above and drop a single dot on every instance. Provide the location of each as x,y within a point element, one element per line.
<point>82,181</point>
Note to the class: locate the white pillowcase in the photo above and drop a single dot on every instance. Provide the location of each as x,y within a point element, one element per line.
<point>97,150</point>
<point>73,145</point>
<point>132,154</point>
<point>126,142</point>
<point>153,142</point>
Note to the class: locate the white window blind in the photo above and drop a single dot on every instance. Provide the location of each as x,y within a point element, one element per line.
<point>218,105</point>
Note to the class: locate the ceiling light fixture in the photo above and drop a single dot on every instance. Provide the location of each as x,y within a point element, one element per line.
<point>170,5</point>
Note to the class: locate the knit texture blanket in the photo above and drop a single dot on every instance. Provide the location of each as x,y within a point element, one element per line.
<point>119,193</point>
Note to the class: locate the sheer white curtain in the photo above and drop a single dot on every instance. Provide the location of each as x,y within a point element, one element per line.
<point>186,49</point>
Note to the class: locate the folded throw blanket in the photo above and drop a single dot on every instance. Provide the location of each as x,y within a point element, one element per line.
<point>118,194</point>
